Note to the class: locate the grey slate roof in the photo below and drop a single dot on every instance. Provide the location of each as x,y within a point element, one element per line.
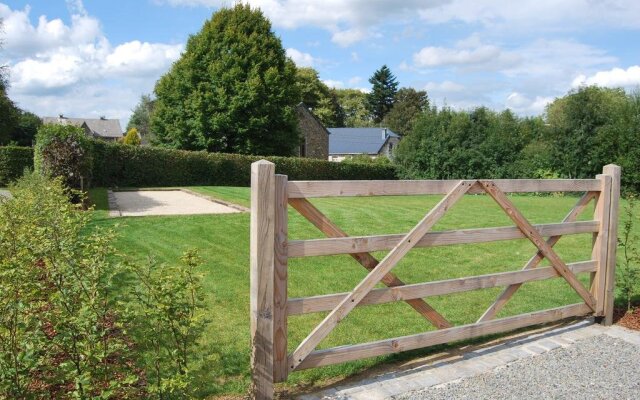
<point>357,140</point>
<point>108,128</point>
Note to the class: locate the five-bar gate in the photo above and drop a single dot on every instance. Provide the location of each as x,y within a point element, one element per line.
<point>272,194</point>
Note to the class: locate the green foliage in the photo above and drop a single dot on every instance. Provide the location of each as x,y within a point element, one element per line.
<point>232,91</point>
<point>353,103</point>
<point>629,269</point>
<point>141,118</point>
<point>75,322</point>
<point>9,114</point>
<point>383,91</point>
<point>367,159</point>
<point>171,315</point>
<point>447,144</point>
<point>64,151</point>
<point>61,333</point>
<point>132,138</point>
<point>322,101</point>
<point>407,106</point>
<point>119,165</point>
<point>13,162</point>
<point>27,127</point>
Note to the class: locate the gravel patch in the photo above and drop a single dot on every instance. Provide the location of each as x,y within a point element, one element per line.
<point>164,202</point>
<point>600,367</point>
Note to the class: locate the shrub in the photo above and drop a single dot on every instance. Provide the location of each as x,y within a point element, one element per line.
<point>629,269</point>
<point>132,138</point>
<point>61,335</point>
<point>119,165</point>
<point>64,151</point>
<point>70,324</point>
<point>13,161</point>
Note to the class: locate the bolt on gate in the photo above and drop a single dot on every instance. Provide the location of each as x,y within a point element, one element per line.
<point>271,195</point>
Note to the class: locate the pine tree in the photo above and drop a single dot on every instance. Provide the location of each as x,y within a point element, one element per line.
<point>383,92</point>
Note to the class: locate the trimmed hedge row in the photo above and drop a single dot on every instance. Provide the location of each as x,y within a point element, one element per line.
<point>13,161</point>
<point>117,165</point>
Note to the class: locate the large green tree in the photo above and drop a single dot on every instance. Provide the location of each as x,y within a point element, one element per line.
<point>233,90</point>
<point>407,107</point>
<point>141,118</point>
<point>383,91</point>
<point>353,104</point>
<point>9,113</point>
<point>24,133</point>
<point>316,95</point>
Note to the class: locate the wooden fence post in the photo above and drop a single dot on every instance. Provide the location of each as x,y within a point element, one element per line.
<point>280,364</point>
<point>601,243</point>
<point>262,235</point>
<point>610,278</point>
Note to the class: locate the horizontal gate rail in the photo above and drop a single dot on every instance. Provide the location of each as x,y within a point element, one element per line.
<point>272,195</point>
<point>305,305</point>
<point>310,189</point>
<point>342,354</point>
<point>358,244</point>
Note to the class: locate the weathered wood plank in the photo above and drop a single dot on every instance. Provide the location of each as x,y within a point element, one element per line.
<point>359,244</point>
<point>280,367</point>
<point>342,354</point>
<point>538,241</point>
<point>313,304</point>
<point>262,277</point>
<point>308,189</point>
<point>614,171</point>
<point>600,243</point>
<point>534,261</point>
<point>326,226</point>
<point>376,275</point>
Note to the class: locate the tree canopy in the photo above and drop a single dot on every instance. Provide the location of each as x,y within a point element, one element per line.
<point>233,90</point>
<point>380,99</point>
<point>408,104</point>
<point>141,118</point>
<point>322,101</point>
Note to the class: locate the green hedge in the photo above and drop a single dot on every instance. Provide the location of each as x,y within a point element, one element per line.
<point>117,165</point>
<point>13,161</point>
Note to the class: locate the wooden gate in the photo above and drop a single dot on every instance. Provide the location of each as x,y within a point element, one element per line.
<point>271,195</point>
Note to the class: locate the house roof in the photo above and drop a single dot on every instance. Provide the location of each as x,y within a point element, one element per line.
<point>358,140</point>
<point>304,110</point>
<point>98,126</point>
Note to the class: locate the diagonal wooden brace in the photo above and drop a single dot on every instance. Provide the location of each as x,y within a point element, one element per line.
<point>534,261</point>
<point>330,229</point>
<point>384,267</point>
<point>532,234</point>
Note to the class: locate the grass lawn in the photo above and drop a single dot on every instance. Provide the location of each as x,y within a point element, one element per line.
<point>223,241</point>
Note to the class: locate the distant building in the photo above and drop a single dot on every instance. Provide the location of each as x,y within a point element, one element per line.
<point>374,142</point>
<point>102,128</point>
<point>315,143</point>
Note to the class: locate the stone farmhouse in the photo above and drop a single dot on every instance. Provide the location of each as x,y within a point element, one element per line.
<point>102,128</point>
<point>315,143</point>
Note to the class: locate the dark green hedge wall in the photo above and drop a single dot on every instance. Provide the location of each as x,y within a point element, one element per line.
<point>13,161</point>
<point>117,165</point>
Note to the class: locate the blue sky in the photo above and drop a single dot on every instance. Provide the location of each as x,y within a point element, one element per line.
<point>91,58</point>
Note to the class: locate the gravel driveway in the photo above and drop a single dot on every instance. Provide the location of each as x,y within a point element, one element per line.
<point>164,202</point>
<point>600,367</point>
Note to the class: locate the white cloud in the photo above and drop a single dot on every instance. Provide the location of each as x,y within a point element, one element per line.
<point>439,56</point>
<point>615,77</point>
<point>355,57</point>
<point>353,81</point>
<point>348,21</point>
<point>541,15</point>
<point>522,104</point>
<point>301,59</point>
<point>333,84</point>
<point>73,69</point>
<point>445,86</point>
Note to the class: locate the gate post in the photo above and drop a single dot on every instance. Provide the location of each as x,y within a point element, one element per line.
<point>610,275</point>
<point>262,272</point>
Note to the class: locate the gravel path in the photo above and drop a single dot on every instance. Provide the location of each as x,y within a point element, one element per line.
<point>584,370</point>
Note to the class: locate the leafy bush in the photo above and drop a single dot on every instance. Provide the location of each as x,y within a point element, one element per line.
<point>132,138</point>
<point>13,161</point>
<point>77,323</point>
<point>119,165</point>
<point>629,269</point>
<point>65,151</point>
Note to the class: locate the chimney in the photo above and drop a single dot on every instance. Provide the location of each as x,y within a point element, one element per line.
<point>384,133</point>
<point>60,116</point>
<point>103,118</point>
